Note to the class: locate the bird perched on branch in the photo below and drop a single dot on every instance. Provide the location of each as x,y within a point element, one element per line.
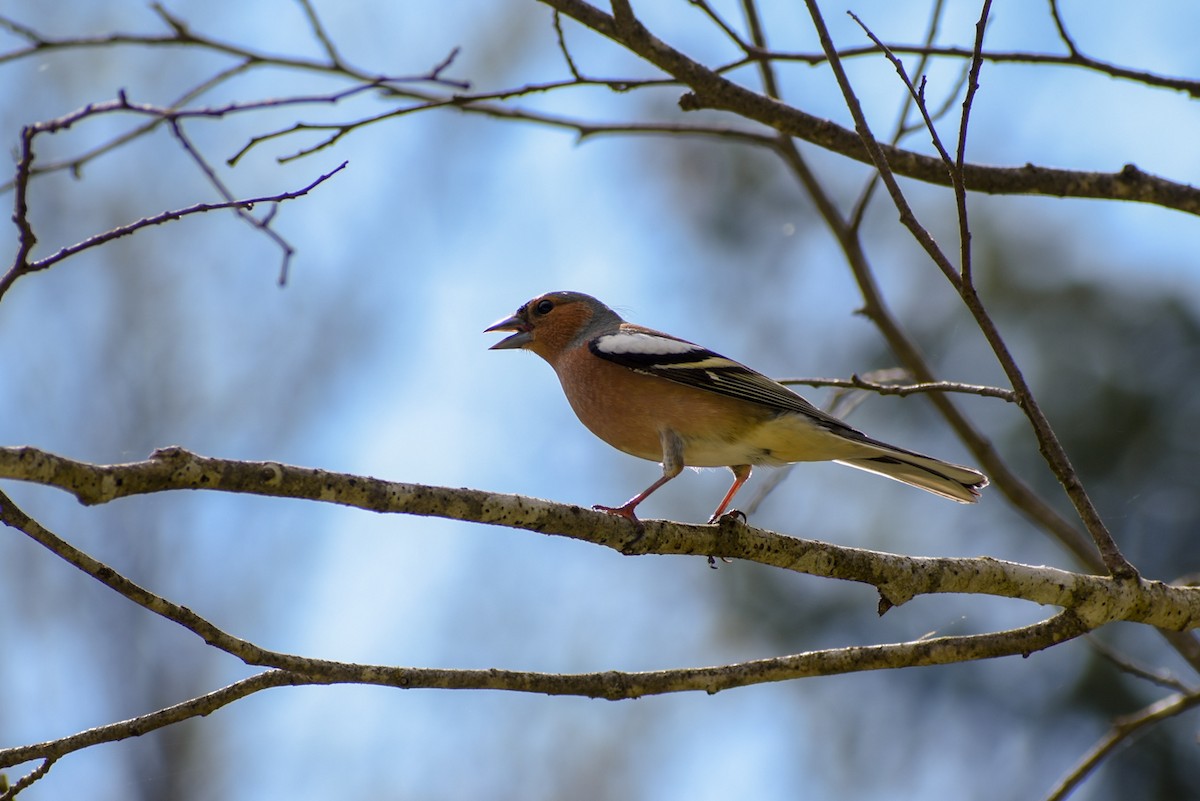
<point>665,399</point>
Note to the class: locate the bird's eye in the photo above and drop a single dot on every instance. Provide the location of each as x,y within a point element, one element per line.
<point>544,306</point>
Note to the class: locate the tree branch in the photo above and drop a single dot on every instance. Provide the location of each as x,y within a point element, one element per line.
<point>712,90</point>
<point>200,706</point>
<point>25,781</point>
<point>903,390</point>
<point>1077,60</point>
<point>23,265</point>
<point>1048,443</point>
<point>1096,600</point>
<point>290,669</point>
<point>1122,730</point>
<point>610,685</point>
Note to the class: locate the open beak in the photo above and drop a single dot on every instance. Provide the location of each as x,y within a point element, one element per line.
<point>518,340</point>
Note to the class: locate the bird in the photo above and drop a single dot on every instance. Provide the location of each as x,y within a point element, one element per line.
<point>668,400</point>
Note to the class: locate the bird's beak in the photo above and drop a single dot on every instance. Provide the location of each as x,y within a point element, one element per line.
<point>518,340</point>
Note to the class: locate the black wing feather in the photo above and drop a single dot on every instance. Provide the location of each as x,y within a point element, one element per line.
<point>704,369</point>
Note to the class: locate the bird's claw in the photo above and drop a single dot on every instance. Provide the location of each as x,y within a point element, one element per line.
<point>627,513</point>
<point>732,513</point>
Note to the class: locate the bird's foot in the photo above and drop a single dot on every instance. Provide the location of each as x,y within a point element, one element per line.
<point>626,512</point>
<point>732,514</point>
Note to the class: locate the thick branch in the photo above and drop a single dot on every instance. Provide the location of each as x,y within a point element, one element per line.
<point>611,685</point>
<point>292,669</point>
<point>714,91</point>
<point>1095,600</point>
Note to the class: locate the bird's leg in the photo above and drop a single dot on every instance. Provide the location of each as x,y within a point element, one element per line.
<point>741,474</point>
<point>672,447</point>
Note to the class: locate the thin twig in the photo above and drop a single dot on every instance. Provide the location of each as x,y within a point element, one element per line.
<point>1122,729</point>
<point>858,382</point>
<point>1077,60</point>
<point>1061,27</point>
<point>436,75</point>
<point>1125,664</point>
<point>23,266</point>
<point>751,50</point>
<point>1048,442</point>
<point>29,778</point>
<point>200,706</point>
<point>39,44</point>
<point>923,237</point>
<point>562,47</point>
<point>242,211</point>
<point>765,70</point>
<point>960,188</point>
<point>1127,184</point>
<point>858,214</point>
<point>76,164</point>
<point>318,29</point>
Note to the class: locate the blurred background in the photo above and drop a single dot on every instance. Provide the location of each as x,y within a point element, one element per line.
<point>370,360</point>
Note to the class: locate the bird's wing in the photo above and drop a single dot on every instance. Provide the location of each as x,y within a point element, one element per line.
<point>655,353</point>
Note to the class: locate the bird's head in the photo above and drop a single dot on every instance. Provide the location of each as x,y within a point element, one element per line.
<point>553,322</point>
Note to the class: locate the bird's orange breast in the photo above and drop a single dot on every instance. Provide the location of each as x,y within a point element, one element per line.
<point>629,410</point>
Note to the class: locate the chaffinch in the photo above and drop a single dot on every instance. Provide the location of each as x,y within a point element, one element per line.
<point>665,399</point>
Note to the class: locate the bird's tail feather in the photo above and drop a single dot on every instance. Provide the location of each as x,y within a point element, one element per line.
<point>948,480</point>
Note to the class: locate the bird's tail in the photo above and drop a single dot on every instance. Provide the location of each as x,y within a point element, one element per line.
<point>951,481</point>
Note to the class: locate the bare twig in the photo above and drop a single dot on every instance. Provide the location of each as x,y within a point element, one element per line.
<point>1125,664</point>
<point>318,29</point>
<point>751,50</point>
<point>28,779</point>
<point>51,750</point>
<point>181,36</point>
<point>960,188</point>
<point>1122,730</point>
<point>860,206</point>
<point>1061,27</point>
<point>75,164</point>
<point>26,238</point>
<point>1049,445</point>
<point>759,39</point>
<point>710,89</point>
<point>562,47</point>
<point>242,210</point>
<point>1175,83</point>
<point>23,265</point>
<point>903,390</point>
